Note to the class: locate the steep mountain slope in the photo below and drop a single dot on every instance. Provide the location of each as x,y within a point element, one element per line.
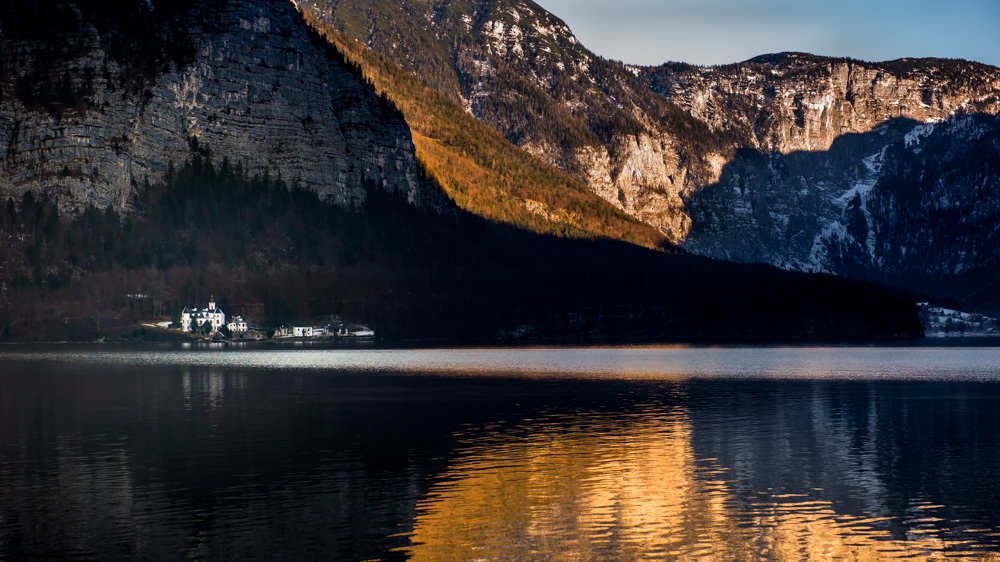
<point>98,97</point>
<point>520,70</point>
<point>903,194</point>
<point>481,171</point>
<point>883,171</point>
<point>780,159</point>
<point>906,199</point>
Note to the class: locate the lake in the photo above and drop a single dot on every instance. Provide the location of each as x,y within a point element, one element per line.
<point>676,453</point>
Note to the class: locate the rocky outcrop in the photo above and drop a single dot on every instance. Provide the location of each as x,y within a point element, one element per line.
<point>256,89</point>
<point>523,72</point>
<point>644,178</point>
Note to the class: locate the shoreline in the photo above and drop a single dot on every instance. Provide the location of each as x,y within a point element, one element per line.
<point>556,343</point>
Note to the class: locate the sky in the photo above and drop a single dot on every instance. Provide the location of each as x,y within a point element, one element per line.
<point>707,32</point>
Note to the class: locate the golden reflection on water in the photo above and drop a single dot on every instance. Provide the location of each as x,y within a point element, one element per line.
<point>633,489</point>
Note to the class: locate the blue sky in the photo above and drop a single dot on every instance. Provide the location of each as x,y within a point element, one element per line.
<point>724,31</point>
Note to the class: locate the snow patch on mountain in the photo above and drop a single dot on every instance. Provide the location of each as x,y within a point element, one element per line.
<point>819,256</point>
<point>913,138</point>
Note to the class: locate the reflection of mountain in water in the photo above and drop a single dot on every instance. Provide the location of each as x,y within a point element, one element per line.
<point>710,472</point>
<point>123,462</point>
<point>915,453</point>
<point>597,485</point>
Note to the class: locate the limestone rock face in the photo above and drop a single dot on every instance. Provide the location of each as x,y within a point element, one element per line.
<point>644,178</point>
<point>520,70</point>
<point>255,89</point>
<point>912,204</point>
<point>792,101</point>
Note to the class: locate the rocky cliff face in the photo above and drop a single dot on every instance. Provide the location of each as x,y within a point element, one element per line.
<point>252,85</point>
<point>793,101</point>
<point>912,204</point>
<point>810,187</point>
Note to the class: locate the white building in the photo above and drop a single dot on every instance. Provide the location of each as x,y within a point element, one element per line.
<point>195,318</point>
<point>302,331</point>
<point>237,325</point>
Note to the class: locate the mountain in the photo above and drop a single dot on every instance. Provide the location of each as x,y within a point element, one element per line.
<point>776,160</point>
<point>161,152</point>
<point>518,69</point>
<point>911,204</point>
<point>884,171</point>
<point>127,88</point>
<point>791,102</point>
<point>482,172</point>
<point>98,97</point>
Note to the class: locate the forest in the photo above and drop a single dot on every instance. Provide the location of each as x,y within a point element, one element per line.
<point>276,253</point>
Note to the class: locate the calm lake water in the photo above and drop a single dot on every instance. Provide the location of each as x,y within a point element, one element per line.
<point>538,454</point>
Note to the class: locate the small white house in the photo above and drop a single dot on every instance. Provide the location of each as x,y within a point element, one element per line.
<point>237,325</point>
<point>192,318</point>
<point>302,331</point>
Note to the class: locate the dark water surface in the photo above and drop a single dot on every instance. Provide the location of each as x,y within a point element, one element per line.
<point>537,454</point>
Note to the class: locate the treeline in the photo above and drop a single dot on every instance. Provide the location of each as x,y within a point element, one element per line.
<point>275,253</point>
